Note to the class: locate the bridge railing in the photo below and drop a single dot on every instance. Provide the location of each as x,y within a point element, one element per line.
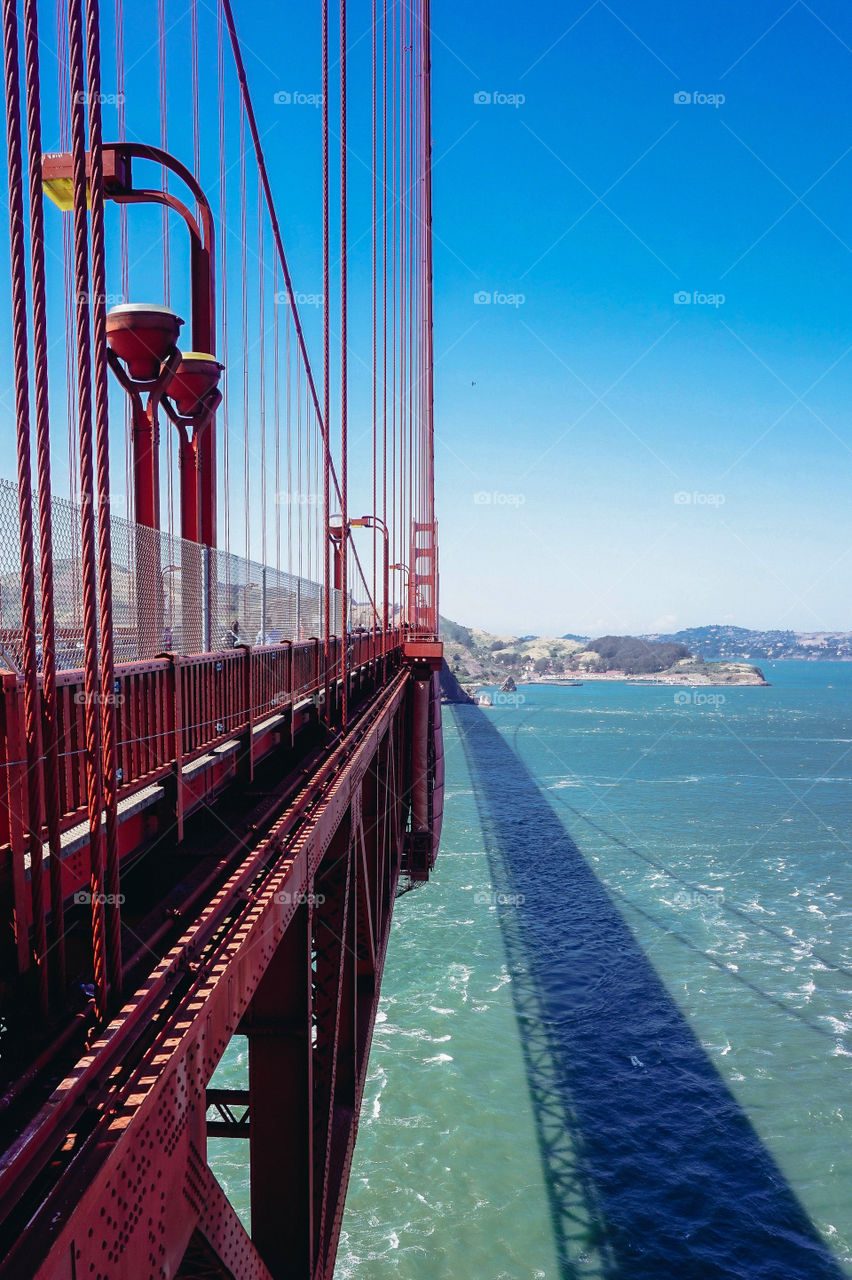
<point>170,711</point>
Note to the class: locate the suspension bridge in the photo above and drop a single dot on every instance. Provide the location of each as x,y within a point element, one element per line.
<point>220,728</point>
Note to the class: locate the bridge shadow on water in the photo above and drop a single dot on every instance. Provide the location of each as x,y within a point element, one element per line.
<point>654,1171</point>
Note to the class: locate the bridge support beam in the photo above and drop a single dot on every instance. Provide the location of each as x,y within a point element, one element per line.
<point>278,1026</point>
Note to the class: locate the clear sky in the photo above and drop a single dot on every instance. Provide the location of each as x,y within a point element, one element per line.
<point>608,458</point>
<point>641,463</point>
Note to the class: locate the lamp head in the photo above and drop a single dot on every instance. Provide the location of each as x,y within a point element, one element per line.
<point>142,334</point>
<point>195,377</point>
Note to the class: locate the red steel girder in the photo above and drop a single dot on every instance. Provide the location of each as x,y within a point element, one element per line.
<point>135,1174</point>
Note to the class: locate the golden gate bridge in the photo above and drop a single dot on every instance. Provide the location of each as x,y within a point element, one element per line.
<point>220,728</point>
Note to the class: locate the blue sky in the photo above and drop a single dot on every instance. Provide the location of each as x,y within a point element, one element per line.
<point>608,458</point>
<point>598,400</point>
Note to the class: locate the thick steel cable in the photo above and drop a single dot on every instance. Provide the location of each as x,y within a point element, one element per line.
<point>374,281</point>
<point>394,148</point>
<point>276,410</point>
<point>262,380</point>
<point>344,377</point>
<point>223,206</point>
<point>101,388</point>
<point>91,710</point>
<point>50,727</point>
<point>124,253</point>
<point>412,286</point>
<point>385,273</point>
<point>196,130</point>
<point>326,367</point>
<point>288,378</point>
<point>167,256</point>
<point>244,314</point>
<point>20,345</point>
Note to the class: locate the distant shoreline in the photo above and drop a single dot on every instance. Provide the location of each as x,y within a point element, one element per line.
<point>621,677</point>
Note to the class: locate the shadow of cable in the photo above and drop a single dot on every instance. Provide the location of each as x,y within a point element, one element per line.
<point>654,1171</point>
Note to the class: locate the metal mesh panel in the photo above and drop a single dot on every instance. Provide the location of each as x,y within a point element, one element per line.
<point>167,594</point>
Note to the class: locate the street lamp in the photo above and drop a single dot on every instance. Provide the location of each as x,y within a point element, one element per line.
<point>159,323</point>
<point>143,355</point>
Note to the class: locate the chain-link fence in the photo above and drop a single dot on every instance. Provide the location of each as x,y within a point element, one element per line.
<point>167,594</point>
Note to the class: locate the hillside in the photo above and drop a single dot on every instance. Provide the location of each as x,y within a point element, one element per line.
<point>741,643</point>
<point>480,657</point>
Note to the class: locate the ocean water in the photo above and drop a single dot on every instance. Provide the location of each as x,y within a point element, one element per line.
<point>614,1036</point>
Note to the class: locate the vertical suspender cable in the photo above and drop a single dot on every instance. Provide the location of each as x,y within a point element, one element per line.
<point>385,271</point>
<point>429,432</point>
<point>396,546</point>
<point>164,141</point>
<point>196,130</point>
<point>32,708</point>
<point>88,497</point>
<point>288,378</point>
<point>244,295</point>
<point>42,415</point>
<point>262,389</point>
<point>326,368</point>
<point>101,388</point>
<point>226,397</point>
<point>276,410</point>
<point>374,314</point>
<point>125,289</point>
<point>344,372</point>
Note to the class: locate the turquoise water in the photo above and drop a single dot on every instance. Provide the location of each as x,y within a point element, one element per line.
<point>614,1036</point>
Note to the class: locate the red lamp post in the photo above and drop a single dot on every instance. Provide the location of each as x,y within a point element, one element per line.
<point>144,357</point>
<point>190,401</point>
